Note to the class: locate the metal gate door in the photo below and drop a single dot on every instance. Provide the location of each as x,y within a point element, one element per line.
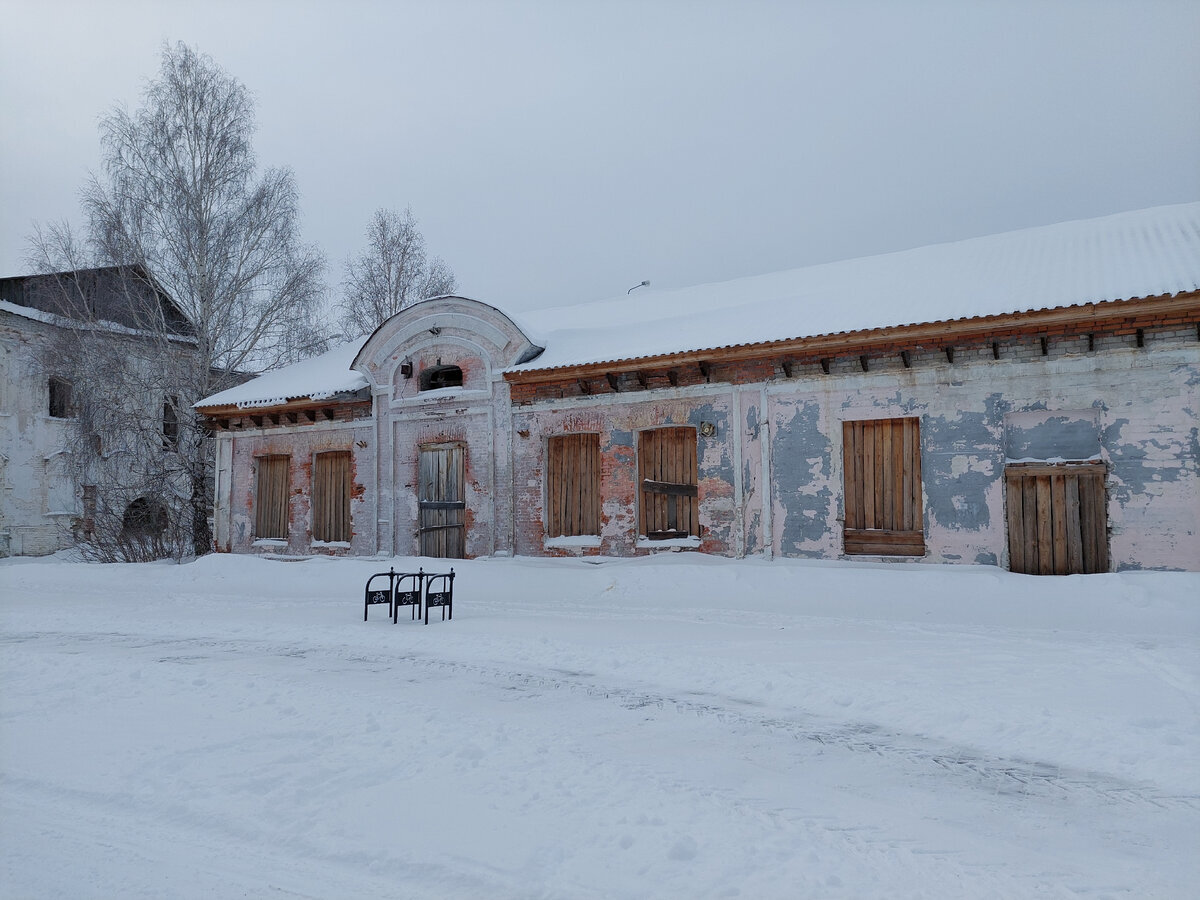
<point>441,500</point>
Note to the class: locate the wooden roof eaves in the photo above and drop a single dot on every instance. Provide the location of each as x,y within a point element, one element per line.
<point>928,334</point>
<point>299,404</point>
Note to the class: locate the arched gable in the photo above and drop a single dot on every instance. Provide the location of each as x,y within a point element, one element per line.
<point>443,332</point>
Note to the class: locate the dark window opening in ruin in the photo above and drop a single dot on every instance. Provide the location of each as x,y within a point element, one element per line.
<point>170,423</point>
<point>60,398</point>
<point>145,517</point>
<point>441,377</point>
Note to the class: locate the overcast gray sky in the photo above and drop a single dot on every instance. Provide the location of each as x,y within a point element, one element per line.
<point>558,152</point>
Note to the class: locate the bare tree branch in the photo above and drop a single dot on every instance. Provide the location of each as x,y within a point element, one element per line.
<point>180,197</point>
<point>393,272</point>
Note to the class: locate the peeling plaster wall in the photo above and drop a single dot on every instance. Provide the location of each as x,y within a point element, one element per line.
<point>35,516</point>
<point>454,424</point>
<point>1060,434</point>
<point>1151,442</point>
<point>1134,408</point>
<point>239,451</point>
<point>771,476</point>
<point>41,509</point>
<point>803,492</point>
<point>618,419</point>
<point>481,341</point>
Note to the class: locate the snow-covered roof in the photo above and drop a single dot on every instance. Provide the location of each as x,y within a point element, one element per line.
<point>49,318</point>
<point>1146,253</point>
<point>318,378</point>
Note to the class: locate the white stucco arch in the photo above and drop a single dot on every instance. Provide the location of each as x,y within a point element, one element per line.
<point>449,321</point>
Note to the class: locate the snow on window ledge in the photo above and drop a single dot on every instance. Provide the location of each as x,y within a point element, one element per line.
<point>273,543</point>
<point>687,543</point>
<point>573,542</point>
<point>330,545</point>
<point>1052,460</point>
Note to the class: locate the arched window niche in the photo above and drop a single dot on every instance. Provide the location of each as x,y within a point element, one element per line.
<point>440,376</point>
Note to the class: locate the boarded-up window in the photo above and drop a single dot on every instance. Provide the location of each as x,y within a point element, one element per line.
<point>882,461</point>
<point>573,485</point>
<point>271,500</point>
<point>170,423</point>
<point>331,496</point>
<point>1057,519</point>
<point>667,469</point>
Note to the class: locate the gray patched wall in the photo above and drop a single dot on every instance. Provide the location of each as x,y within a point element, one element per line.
<point>1133,409</point>
<point>1059,435</point>
<point>801,478</point>
<point>771,474</point>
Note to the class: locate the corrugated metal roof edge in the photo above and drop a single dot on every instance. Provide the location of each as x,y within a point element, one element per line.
<point>317,398</point>
<point>514,374</point>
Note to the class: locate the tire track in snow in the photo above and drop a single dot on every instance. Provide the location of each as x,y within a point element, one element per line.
<point>1003,776</point>
<point>1000,775</point>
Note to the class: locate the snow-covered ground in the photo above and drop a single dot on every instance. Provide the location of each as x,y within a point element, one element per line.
<point>671,727</point>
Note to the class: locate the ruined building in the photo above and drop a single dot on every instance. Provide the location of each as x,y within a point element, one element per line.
<point>80,352</point>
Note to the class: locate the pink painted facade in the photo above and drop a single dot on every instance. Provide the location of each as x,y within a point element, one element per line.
<point>770,469</point>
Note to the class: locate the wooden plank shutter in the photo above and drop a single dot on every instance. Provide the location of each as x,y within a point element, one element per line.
<point>882,474</point>
<point>668,467</point>
<point>1057,519</point>
<point>573,485</point>
<point>331,496</point>
<point>271,502</point>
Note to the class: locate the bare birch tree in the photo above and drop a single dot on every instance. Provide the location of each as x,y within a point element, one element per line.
<point>393,272</point>
<point>180,197</point>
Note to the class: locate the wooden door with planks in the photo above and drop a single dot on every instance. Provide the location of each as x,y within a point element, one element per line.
<point>882,463</point>
<point>441,500</point>
<point>667,466</point>
<point>1057,519</point>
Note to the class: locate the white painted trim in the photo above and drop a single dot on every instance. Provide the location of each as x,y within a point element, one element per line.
<point>768,477</point>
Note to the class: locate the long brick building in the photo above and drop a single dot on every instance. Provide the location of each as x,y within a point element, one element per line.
<point>1029,400</point>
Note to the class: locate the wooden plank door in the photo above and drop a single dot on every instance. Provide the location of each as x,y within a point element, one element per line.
<point>1057,519</point>
<point>441,500</point>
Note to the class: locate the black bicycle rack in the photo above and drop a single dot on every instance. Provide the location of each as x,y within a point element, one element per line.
<point>420,590</point>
